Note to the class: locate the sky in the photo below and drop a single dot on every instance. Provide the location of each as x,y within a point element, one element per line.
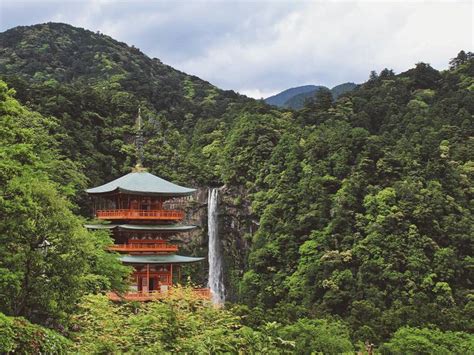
<point>260,48</point>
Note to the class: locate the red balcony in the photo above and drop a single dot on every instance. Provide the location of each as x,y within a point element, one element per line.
<point>145,247</point>
<point>140,214</point>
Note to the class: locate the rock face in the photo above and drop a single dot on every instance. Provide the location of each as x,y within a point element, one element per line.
<point>236,228</point>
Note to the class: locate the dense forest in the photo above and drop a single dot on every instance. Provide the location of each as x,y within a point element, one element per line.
<point>360,207</point>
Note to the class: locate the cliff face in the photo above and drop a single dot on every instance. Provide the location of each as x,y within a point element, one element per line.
<point>236,227</point>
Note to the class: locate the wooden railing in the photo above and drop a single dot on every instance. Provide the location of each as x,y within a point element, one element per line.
<point>140,214</point>
<point>139,247</point>
<point>135,296</point>
<point>201,293</point>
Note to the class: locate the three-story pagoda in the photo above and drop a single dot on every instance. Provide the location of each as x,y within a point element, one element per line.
<point>143,214</point>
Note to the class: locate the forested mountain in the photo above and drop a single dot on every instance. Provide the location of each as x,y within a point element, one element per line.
<point>48,261</point>
<point>345,221</point>
<point>94,86</point>
<point>296,98</point>
<point>365,208</point>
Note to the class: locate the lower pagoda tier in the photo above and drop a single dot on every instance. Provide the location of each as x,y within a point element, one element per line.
<point>155,272</point>
<point>154,275</point>
<point>152,254</point>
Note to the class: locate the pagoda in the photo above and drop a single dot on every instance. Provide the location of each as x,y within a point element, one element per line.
<point>144,212</point>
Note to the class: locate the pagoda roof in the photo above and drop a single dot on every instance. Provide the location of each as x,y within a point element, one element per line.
<point>142,183</point>
<point>143,227</point>
<point>159,259</point>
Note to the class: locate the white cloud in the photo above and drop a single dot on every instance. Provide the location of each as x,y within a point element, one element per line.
<point>331,43</point>
<point>256,93</point>
<point>259,48</point>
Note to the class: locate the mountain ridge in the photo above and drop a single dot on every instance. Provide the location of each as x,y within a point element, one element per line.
<point>296,97</point>
<point>280,98</point>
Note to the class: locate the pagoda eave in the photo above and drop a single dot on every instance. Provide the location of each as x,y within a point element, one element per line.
<point>143,227</point>
<point>159,259</point>
<point>141,183</point>
<point>140,193</point>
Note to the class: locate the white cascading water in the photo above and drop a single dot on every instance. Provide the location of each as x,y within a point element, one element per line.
<point>215,282</point>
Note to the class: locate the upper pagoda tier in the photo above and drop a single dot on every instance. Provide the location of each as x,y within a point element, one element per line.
<point>141,183</point>
<point>139,197</point>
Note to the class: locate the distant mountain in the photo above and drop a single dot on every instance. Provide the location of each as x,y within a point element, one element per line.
<point>341,89</point>
<point>281,98</point>
<point>296,97</point>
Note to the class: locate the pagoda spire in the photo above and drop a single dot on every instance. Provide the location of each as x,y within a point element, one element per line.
<point>139,140</point>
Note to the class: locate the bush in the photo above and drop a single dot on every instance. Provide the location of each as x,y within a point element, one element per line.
<point>178,323</point>
<point>318,335</point>
<point>409,340</point>
<point>20,336</point>
<point>7,336</point>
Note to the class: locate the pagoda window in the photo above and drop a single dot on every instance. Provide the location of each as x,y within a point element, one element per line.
<point>156,205</point>
<point>145,204</point>
<point>152,283</point>
<point>164,279</point>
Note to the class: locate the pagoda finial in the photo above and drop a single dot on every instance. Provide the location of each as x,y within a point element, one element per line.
<point>139,142</point>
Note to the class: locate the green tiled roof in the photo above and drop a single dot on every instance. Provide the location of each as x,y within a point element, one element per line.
<point>143,227</point>
<point>158,259</point>
<point>142,183</point>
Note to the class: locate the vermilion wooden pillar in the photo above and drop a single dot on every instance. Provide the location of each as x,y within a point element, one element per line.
<point>171,274</point>
<point>148,277</point>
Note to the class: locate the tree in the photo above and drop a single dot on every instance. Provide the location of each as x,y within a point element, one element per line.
<point>19,336</point>
<point>47,258</point>
<point>318,336</point>
<point>460,59</point>
<point>408,340</point>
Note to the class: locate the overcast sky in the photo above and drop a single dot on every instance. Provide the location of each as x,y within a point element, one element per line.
<point>262,47</point>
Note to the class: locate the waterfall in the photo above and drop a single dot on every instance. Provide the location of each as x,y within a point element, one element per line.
<point>215,283</point>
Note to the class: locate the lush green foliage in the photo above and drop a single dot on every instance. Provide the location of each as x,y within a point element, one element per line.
<point>47,259</point>
<point>94,86</point>
<point>364,210</point>
<point>182,323</point>
<point>408,340</point>
<point>179,323</point>
<point>19,336</point>
<point>317,336</point>
<point>361,208</point>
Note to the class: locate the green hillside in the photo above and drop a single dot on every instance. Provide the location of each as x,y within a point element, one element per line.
<point>351,217</point>
<point>94,86</point>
